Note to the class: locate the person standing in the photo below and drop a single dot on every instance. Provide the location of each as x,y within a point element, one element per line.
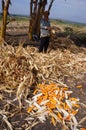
<point>45,28</point>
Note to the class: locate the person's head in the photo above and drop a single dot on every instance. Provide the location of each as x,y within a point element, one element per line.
<point>46,13</point>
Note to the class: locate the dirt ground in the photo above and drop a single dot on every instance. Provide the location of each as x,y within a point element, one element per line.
<point>18,120</point>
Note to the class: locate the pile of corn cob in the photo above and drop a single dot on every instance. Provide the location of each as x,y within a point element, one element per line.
<point>54,101</point>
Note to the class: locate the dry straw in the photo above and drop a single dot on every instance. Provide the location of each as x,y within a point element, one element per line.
<point>21,69</point>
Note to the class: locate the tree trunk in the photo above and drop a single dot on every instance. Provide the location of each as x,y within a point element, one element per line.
<point>41,9</point>
<point>4,19</point>
<point>31,21</point>
<point>37,8</point>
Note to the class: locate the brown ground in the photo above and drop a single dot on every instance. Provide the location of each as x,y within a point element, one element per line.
<point>18,119</point>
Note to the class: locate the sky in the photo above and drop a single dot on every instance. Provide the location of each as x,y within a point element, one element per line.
<point>72,10</point>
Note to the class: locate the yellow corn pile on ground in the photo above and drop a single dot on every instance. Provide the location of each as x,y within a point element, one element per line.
<point>54,101</point>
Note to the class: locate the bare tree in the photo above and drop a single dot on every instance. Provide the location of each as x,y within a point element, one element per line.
<point>37,7</point>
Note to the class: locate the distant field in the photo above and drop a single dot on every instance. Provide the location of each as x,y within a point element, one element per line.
<point>62,24</point>
<point>18,18</point>
<point>77,27</point>
<point>58,21</point>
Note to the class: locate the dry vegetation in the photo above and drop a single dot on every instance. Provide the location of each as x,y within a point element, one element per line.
<point>22,69</point>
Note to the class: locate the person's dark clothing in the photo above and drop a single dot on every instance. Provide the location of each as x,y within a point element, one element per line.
<point>44,43</point>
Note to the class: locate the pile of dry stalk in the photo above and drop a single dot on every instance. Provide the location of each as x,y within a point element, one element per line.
<point>21,69</point>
